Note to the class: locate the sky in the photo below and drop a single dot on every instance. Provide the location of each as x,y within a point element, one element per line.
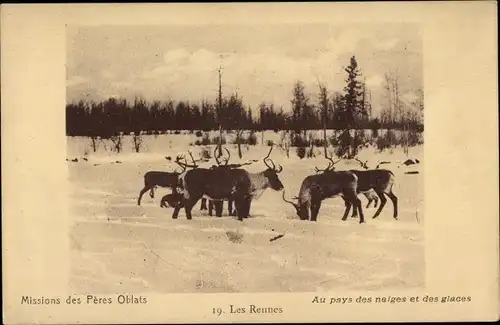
<point>260,62</point>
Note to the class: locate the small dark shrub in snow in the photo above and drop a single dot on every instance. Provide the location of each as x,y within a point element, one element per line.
<point>270,143</point>
<point>415,138</point>
<point>298,141</point>
<point>387,140</point>
<point>310,153</point>
<point>318,142</point>
<point>205,153</point>
<point>252,139</point>
<point>177,132</point>
<point>199,133</point>
<point>215,140</point>
<point>205,140</point>
<point>301,152</point>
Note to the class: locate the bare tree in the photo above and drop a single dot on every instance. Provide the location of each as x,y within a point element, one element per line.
<point>94,142</point>
<point>117,142</point>
<point>219,111</point>
<point>285,143</point>
<point>323,102</point>
<point>137,141</point>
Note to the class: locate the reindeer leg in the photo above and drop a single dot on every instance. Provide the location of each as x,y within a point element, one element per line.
<point>383,200</point>
<point>370,200</point>
<point>394,200</point>
<point>242,207</point>
<point>355,209</point>
<point>210,207</point>
<point>218,207</point>
<point>177,209</point>
<point>144,190</point>
<point>360,208</point>
<point>203,204</point>
<point>239,208</point>
<point>347,209</point>
<point>152,192</point>
<point>315,206</point>
<point>246,206</point>
<point>353,199</point>
<point>376,201</point>
<point>188,207</point>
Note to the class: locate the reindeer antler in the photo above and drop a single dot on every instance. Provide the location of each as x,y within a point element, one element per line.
<point>178,161</point>
<point>226,160</point>
<point>363,164</point>
<point>228,156</point>
<point>330,167</point>
<point>215,156</point>
<point>273,165</point>
<point>184,165</point>
<point>292,203</point>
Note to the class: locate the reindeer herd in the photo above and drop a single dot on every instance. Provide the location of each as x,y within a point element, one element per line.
<point>237,186</point>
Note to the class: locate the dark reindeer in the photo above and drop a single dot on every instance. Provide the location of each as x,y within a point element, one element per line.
<point>171,200</point>
<point>211,204</point>
<point>220,184</point>
<point>153,179</point>
<point>328,184</point>
<point>381,181</point>
<point>316,188</point>
<point>370,195</point>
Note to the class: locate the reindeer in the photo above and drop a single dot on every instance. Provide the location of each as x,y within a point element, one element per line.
<point>381,181</point>
<point>220,184</point>
<point>171,200</point>
<point>211,203</point>
<point>370,195</point>
<point>329,184</point>
<point>153,179</point>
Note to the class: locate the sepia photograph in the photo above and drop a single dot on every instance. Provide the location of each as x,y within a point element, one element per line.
<point>245,158</point>
<point>250,162</point>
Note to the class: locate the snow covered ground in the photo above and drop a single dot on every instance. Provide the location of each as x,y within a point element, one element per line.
<point>118,246</point>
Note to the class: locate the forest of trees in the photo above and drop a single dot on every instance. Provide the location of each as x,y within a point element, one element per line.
<point>348,109</point>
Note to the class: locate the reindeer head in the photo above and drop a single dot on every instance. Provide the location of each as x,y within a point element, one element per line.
<point>271,173</point>
<point>300,209</point>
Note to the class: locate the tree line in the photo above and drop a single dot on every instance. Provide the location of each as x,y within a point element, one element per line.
<point>348,109</point>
